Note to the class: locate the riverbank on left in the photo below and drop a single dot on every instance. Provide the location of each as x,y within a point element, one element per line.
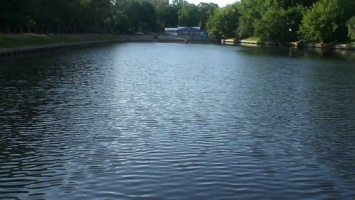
<point>18,45</point>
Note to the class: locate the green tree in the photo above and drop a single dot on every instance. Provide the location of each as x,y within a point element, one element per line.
<point>293,3</point>
<point>251,12</point>
<point>14,15</point>
<point>224,22</point>
<point>206,10</point>
<point>101,11</point>
<point>321,21</point>
<point>351,28</point>
<point>189,15</point>
<point>132,11</point>
<point>163,12</point>
<point>349,11</point>
<point>147,17</point>
<point>179,2</point>
<point>120,22</point>
<point>280,24</point>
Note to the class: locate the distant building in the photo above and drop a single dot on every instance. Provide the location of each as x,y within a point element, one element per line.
<point>183,31</point>
<point>155,1</point>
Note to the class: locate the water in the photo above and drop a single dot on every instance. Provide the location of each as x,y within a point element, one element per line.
<point>177,121</point>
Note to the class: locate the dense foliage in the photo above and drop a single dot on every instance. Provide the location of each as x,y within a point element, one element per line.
<point>322,21</point>
<point>268,20</point>
<point>351,28</point>
<point>286,20</point>
<point>99,16</point>
<point>223,23</point>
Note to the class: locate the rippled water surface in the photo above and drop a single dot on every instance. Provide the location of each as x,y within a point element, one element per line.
<point>177,121</point>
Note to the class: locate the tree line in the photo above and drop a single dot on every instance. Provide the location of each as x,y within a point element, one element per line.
<point>286,20</point>
<point>269,20</point>
<point>99,16</point>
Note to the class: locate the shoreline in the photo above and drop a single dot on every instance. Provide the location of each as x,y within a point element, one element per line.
<point>66,43</point>
<point>349,47</point>
<point>20,45</point>
<point>21,51</point>
<point>33,50</point>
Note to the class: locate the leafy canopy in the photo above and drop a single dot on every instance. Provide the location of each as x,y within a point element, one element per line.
<point>321,22</point>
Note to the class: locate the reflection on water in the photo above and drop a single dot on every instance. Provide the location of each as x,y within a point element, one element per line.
<point>176,121</point>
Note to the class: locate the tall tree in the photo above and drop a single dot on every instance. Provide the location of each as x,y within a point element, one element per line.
<point>188,15</point>
<point>179,2</point>
<point>14,15</point>
<point>293,3</point>
<point>224,22</point>
<point>102,15</point>
<point>206,10</point>
<point>351,28</point>
<point>349,11</point>
<point>322,21</point>
<point>167,16</point>
<point>148,17</point>
<point>280,24</point>
<point>120,22</point>
<point>252,11</point>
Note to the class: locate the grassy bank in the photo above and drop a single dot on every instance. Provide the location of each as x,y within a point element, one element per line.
<point>27,40</point>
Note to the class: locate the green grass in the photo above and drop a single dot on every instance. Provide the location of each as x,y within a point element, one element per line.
<point>252,39</point>
<point>26,40</point>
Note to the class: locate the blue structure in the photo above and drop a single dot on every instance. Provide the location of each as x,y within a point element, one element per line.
<point>183,31</point>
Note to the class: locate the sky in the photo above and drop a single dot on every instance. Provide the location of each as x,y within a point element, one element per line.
<point>221,3</point>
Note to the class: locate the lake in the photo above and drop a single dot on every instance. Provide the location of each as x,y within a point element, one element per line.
<point>178,121</point>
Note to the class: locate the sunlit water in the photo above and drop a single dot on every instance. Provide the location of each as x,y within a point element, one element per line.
<point>177,121</point>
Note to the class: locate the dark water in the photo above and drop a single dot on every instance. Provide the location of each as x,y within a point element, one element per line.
<point>176,121</point>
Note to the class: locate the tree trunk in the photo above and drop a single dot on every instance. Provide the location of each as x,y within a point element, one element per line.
<point>28,28</point>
